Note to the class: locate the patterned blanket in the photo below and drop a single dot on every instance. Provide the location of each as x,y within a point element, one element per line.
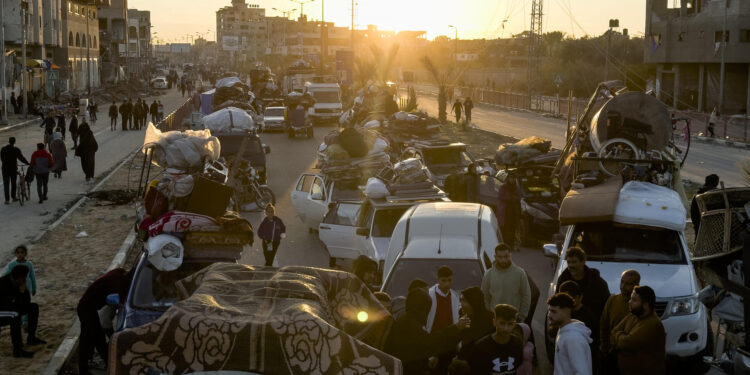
<point>290,320</point>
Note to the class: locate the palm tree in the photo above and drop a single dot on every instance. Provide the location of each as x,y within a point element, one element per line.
<point>441,79</point>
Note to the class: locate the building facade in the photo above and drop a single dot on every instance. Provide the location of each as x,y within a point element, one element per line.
<point>241,32</point>
<point>79,60</point>
<point>113,47</point>
<point>684,39</point>
<point>139,52</point>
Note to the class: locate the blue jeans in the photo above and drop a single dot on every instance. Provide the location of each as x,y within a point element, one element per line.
<point>41,185</point>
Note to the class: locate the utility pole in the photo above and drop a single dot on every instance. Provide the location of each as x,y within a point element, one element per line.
<point>723,51</point>
<point>323,35</point>
<point>455,47</point>
<point>4,106</point>
<point>24,94</point>
<point>351,38</point>
<point>88,49</point>
<point>612,24</point>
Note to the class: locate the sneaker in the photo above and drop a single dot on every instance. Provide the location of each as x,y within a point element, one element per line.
<point>20,353</point>
<point>35,341</point>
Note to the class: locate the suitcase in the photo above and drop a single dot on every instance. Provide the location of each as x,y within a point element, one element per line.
<point>209,198</point>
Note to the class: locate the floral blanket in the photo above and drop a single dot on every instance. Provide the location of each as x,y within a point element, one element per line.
<point>290,320</point>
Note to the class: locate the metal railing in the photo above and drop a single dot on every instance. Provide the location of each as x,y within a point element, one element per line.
<point>174,120</point>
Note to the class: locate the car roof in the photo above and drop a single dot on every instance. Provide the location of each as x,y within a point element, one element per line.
<point>443,229</point>
<point>434,247</point>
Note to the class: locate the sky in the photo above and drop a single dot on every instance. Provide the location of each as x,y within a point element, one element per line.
<point>173,20</point>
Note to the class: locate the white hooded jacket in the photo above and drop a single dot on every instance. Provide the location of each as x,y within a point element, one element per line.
<point>572,350</point>
<point>455,305</point>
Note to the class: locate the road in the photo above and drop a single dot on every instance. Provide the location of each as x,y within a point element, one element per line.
<point>288,159</point>
<point>21,224</point>
<point>703,159</point>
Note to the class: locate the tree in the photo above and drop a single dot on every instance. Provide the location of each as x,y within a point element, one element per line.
<point>441,79</point>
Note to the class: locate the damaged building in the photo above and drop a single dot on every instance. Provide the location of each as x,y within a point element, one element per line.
<point>684,39</point>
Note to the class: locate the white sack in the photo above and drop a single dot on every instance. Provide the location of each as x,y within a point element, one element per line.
<point>376,188</point>
<point>165,252</point>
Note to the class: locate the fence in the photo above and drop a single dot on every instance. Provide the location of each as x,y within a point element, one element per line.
<point>538,103</point>
<point>174,120</point>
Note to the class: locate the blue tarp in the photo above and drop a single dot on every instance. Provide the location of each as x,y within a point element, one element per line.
<point>207,102</point>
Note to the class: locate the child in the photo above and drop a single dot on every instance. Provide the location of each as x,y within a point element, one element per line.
<point>271,231</point>
<point>21,252</point>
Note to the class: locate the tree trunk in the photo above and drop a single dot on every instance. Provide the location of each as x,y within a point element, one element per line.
<point>442,104</point>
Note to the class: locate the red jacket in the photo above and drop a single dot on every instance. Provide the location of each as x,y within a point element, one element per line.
<point>41,161</point>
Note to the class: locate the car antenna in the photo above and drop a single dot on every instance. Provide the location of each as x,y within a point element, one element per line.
<point>440,239</point>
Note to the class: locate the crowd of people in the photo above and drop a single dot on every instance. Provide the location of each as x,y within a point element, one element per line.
<point>485,329</point>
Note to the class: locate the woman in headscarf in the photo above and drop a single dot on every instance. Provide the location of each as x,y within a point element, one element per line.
<point>59,153</point>
<point>482,321</point>
<point>87,148</point>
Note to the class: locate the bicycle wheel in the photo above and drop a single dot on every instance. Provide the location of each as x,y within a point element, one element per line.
<point>22,191</point>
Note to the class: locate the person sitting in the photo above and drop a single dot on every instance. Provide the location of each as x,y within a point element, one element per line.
<point>16,298</point>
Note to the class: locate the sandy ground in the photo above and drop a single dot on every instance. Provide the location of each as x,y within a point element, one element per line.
<point>65,265</point>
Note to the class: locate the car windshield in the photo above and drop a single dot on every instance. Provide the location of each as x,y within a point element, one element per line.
<point>155,290</point>
<point>274,112</point>
<point>385,221</point>
<point>446,156</point>
<point>345,193</point>
<point>326,96</point>
<point>466,273</point>
<point>608,242</point>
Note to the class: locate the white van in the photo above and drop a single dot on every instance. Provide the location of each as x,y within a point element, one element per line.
<point>462,236</point>
<point>327,107</point>
<point>646,233</point>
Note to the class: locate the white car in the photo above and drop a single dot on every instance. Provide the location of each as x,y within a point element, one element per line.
<point>273,119</point>
<point>462,236</point>
<point>351,229</point>
<point>159,83</point>
<point>314,193</point>
<point>646,233</point>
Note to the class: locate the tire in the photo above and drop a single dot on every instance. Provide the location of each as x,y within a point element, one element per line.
<point>264,196</point>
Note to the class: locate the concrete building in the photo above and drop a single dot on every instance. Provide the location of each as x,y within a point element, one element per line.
<point>113,25</point>
<point>139,40</point>
<point>241,32</point>
<point>303,38</point>
<point>79,60</point>
<point>684,39</point>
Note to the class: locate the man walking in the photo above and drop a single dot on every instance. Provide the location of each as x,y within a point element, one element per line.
<point>711,182</point>
<point>639,339</point>
<point>154,110</point>
<point>124,115</point>
<point>615,310</point>
<point>16,298</point>
<point>468,106</point>
<point>500,352</point>
<point>572,351</point>
<point>506,283</point>
<point>712,120</point>
<point>9,155</point>
<point>457,110</point>
<point>73,129</point>
<point>137,115</point>
<point>113,116</point>
<point>41,164</point>
<point>129,113</point>
<point>594,288</point>
<point>13,102</point>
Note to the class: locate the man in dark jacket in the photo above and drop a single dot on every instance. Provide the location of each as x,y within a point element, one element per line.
<point>594,289</point>
<point>124,114</point>
<point>711,182</point>
<point>137,115</point>
<point>15,298</point>
<point>410,342</point>
<point>154,110</point>
<point>10,155</point>
<point>129,113</point>
<point>73,129</point>
<point>113,116</point>
<point>94,298</point>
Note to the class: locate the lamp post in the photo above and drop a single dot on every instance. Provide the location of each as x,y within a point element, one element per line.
<point>4,105</point>
<point>455,50</point>
<point>88,49</point>
<point>24,6</point>
<point>302,6</point>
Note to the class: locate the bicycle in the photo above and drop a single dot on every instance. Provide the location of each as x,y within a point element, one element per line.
<point>23,190</point>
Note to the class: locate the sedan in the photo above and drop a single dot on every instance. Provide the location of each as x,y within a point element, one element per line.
<point>159,83</point>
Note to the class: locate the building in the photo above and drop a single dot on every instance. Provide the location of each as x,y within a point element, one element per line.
<point>113,25</point>
<point>79,60</point>
<point>303,38</point>
<point>685,41</point>
<point>241,31</point>
<point>139,52</point>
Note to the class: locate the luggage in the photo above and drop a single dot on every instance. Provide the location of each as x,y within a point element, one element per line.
<point>209,198</point>
<point>353,142</point>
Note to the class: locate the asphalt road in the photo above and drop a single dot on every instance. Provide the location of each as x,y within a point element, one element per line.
<point>289,158</point>
<point>21,224</point>
<point>703,159</point>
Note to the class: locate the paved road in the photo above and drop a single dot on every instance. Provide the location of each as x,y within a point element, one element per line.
<point>703,159</point>
<point>288,159</point>
<point>20,224</point>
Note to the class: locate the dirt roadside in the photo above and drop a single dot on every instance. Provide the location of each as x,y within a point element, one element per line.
<point>65,264</point>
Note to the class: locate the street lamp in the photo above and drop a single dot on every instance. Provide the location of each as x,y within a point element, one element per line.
<point>286,13</point>
<point>456,48</point>
<point>302,5</point>
<point>613,23</point>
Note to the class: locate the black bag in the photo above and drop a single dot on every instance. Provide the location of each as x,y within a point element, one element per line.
<point>29,174</point>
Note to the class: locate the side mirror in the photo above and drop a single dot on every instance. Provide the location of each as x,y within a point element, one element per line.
<point>113,299</point>
<point>363,232</point>
<point>550,250</point>
<point>266,149</point>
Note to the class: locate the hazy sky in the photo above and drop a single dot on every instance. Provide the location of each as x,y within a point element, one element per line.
<point>173,19</point>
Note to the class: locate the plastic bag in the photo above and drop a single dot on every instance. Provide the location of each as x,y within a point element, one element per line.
<point>371,124</point>
<point>228,119</point>
<point>165,252</point>
<point>376,188</point>
<point>380,145</point>
<point>181,150</point>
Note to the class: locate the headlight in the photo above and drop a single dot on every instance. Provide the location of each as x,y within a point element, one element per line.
<point>684,306</point>
<point>533,211</point>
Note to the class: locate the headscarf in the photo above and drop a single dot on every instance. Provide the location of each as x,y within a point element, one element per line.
<point>56,136</point>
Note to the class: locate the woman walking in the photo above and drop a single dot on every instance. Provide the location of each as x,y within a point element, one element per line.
<point>59,153</point>
<point>73,129</point>
<point>271,231</point>
<point>87,148</point>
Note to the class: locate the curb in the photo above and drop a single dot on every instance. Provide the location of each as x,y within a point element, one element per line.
<point>721,142</point>
<point>70,342</point>
<point>11,127</point>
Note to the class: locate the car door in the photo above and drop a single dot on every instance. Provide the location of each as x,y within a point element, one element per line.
<point>489,189</point>
<point>300,195</point>
<point>338,231</point>
<point>317,204</point>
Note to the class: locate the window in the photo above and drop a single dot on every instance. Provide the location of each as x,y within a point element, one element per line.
<point>717,36</point>
<point>386,220</point>
<point>94,41</point>
<point>744,35</point>
<point>344,214</point>
<point>89,41</point>
<point>70,39</point>
<point>305,183</point>
<point>316,192</point>
<point>78,40</point>
<point>611,242</point>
